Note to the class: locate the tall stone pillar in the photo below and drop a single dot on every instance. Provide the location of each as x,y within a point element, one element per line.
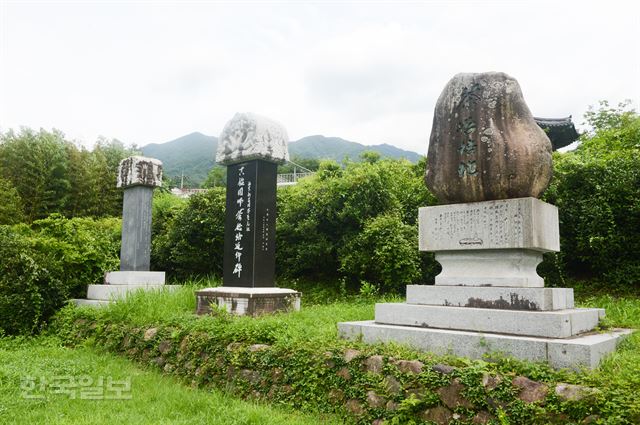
<point>138,176</point>
<point>251,147</point>
<point>488,162</point>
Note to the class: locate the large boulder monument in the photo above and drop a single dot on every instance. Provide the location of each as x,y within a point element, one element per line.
<point>488,162</point>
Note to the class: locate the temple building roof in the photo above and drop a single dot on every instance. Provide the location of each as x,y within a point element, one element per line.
<point>560,131</point>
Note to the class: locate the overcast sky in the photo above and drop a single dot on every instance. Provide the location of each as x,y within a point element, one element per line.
<point>369,72</point>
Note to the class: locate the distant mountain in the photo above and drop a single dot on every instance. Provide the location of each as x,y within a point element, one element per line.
<point>321,147</point>
<point>194,154</point>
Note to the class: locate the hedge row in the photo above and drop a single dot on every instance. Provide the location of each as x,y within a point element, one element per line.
<point>363,384</point>
<point>46,264</point>
<point>359,225</point>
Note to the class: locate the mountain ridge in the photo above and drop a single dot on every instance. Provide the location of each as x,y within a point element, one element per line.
<point>194,154</point>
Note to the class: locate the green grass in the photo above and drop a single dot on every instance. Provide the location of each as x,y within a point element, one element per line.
<point>155,399</point>
<point>314,328</point>
<point>315,322</point>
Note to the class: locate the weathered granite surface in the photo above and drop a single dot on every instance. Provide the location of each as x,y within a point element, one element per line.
<point>250,136</point>
<point>585,350</point>
<point>508,223</point>
<point>243,301</point>
<point>503,298</point>
<point>490,243</point>
<point>551,324</point>
<point>140,170</point>
<point>485,143</point>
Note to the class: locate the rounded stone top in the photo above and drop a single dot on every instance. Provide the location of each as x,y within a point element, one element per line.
<point>484,143</point>
<point>139,171</point>
<point>250,136</point>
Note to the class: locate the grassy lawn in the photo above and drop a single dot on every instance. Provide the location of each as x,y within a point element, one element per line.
<point>161,398</point>
<point>154,399</point>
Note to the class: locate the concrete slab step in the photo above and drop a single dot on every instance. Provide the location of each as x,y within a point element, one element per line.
<point>581,351</point>
<point>551,324</point>
<point>108,292</point>
<point>90,303</point>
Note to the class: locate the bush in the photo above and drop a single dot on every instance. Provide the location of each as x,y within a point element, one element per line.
<point>45,265</point>
<point>188,240</point>
<point>328,227</point>
<point>599,206</point>
<point>385,252</point>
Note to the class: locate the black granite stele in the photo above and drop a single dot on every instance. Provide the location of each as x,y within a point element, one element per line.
<point>250,225</point>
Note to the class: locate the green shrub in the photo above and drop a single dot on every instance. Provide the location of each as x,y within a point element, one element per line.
<point>322,222</point>
<point>385,252</point>
<point>188,240</point>
<point>22,280</point>
<point>45,265</point>
<point>599,206</point>
<point>84,248</point>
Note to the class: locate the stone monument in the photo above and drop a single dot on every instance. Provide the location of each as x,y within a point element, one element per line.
<point>251,147</point>
<point>138,176</point>
<point>488,162</point>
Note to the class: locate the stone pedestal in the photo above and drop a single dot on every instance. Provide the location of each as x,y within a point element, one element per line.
<point>491,243</point>
<point>247,301</point>
<point>489,297</point>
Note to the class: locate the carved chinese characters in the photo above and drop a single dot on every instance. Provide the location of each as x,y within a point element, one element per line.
<point>240,223</point>
<point>484,143</point>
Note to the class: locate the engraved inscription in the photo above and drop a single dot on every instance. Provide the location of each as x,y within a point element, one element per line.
<point>497,224</point>
<point>470,241</point>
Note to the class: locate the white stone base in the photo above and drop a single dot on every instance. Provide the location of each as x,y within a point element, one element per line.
<point>533,299</point>
<point>121,283</point>
<point>247,301</point>
<point>584,350</point>
<point>134,278</point>
<point>492,267</point>
<point>551,324</point>
<point>109,292</point>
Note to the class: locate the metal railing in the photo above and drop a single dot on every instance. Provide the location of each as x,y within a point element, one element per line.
<point>185,193</point>
<point>291,178</point>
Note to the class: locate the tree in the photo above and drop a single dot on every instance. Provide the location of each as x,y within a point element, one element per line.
<point>11,210</point>
<point>370,156</point>
<point>217,177</point>
<point>36,165</point>
<point>597,191</point>
<point>52,175</point>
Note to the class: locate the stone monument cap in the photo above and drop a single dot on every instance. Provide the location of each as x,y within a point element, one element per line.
<point>139,171</point>
<point>250,136</point>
